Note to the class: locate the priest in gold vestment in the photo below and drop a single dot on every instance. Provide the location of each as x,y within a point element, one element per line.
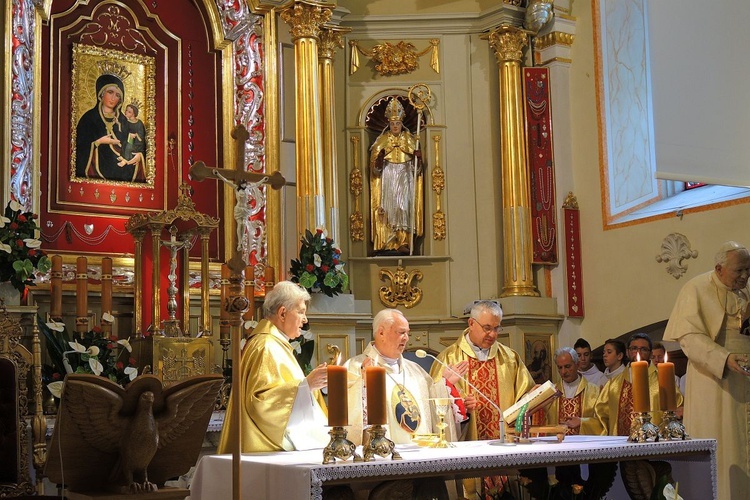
<point>614,406</point>
<point>281,408</point>
<point>575,408</point>
<point>707,321</point>
<point>396,192</point>
<point>498,371</point>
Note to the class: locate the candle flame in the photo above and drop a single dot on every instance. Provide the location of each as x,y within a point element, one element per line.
<point>638,357</point>
<point>666,356</point>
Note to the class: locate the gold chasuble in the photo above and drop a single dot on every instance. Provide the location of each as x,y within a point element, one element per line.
<point>408,390</point>
<point>614,406</point>
<point>270,376</point>
<point>581,405</point>
<point>502,378</point>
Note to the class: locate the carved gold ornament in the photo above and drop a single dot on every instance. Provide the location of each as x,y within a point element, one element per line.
<point>438,184</point>
<point>400,291</point>
<point>397,59</point>
<point>356,222</point>
<point>674,249</point>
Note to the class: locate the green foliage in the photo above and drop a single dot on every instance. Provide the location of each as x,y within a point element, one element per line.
<point>319,267</point>
<point>20,255</point>
<point>91,352</point>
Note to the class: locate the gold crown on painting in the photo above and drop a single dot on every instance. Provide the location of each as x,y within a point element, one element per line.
<point>112,68</point>
<point>394,111</point>
<point>135,102</point>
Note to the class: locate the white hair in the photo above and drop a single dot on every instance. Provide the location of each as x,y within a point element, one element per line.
<point>284,294</point>
<point>385,318</point>
<point>567,350</point>
<point>720,259</point>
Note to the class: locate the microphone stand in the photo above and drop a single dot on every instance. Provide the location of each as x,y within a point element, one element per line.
<point>421,353</point>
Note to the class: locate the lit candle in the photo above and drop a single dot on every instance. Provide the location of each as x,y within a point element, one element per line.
<point>56,282</point>
<point>338,402</point>
<point>375,381</point>
<point>667,391</point>
<point>639,377</point>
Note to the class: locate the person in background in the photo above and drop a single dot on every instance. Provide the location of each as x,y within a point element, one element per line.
<point>707,322</point>
<point>586,367</point>
<point>575,408</point>
<point>614,406</point>
<point>497,370</point>
<point>614,358</point>
<point>281,408</point>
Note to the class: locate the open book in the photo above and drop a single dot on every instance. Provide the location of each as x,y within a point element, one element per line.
<point>532,401</point>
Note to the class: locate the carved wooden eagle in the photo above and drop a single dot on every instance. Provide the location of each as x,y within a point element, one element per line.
<point>108,438</point>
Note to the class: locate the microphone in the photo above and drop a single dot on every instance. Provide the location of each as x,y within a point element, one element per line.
<point>421,353</point>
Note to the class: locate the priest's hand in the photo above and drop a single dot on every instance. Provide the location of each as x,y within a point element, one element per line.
<point>456,372</point>
<point>738,363</point>
<point>471,403</point>
<point>318,377</point>
<point>573,422</point>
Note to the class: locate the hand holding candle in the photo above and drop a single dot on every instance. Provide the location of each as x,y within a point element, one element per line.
<point>667,390</point>
<point>639,377</point>
<point>338,402</point>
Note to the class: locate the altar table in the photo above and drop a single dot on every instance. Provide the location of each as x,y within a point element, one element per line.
<point>301,474</point>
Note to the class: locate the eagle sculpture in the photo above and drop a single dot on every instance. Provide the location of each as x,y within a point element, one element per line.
<point>130,440</point>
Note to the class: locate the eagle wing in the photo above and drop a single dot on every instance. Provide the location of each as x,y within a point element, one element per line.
<point>182,421</point>
<point>94,408</point>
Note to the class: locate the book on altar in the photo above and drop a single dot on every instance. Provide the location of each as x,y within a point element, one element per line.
<point>532,401</point>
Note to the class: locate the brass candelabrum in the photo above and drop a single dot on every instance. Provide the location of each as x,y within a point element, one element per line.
<point>672,428</point>
<point>642,430</point>
<point>379,445</point>
<point>339,447</point>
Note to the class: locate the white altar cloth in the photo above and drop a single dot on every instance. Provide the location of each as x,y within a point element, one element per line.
<point>301,474</point>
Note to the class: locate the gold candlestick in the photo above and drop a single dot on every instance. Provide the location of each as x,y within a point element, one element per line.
<point>339,447</point>
<point>379,445</point>
<point>642,430</point>
<point>671,428</point>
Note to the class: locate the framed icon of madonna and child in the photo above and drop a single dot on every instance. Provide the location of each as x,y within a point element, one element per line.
<point>112,117</point>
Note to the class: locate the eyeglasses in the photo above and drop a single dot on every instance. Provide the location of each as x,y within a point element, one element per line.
<point>643,350</point>
<point>488,328</point>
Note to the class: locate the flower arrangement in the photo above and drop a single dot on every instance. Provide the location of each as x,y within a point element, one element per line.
<point>319,267</point>
<point>303,346</point>
<point>20,255</point>
<point>91,352</point>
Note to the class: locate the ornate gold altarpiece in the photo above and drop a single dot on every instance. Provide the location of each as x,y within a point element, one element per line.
<point>171,351</point>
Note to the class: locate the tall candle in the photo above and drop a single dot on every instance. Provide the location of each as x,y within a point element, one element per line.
<point>106,291</point>
<point>56,282</point>
<point>667,391</point>
<point>338,401</point>
<point>375,381</point>
<point>82,284</point>
<point>249,293</point>
<point>270,278</point>
<point>639,377</point>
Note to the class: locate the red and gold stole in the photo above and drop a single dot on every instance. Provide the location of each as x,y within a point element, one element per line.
<point>483,375</point>
<point>625,409</point>
<point>567,408</point>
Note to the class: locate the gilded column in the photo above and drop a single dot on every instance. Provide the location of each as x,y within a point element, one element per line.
<point>508,43</point>
<point>330,40</point>
<point>305,18</point>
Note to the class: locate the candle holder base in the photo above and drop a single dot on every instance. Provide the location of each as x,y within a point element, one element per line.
<point>339,447</point>
<point>672,428</point>
<point>379,445</point>
<point>642,430</point>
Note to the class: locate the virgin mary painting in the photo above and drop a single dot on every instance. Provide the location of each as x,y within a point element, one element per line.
<point>101,134</point>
